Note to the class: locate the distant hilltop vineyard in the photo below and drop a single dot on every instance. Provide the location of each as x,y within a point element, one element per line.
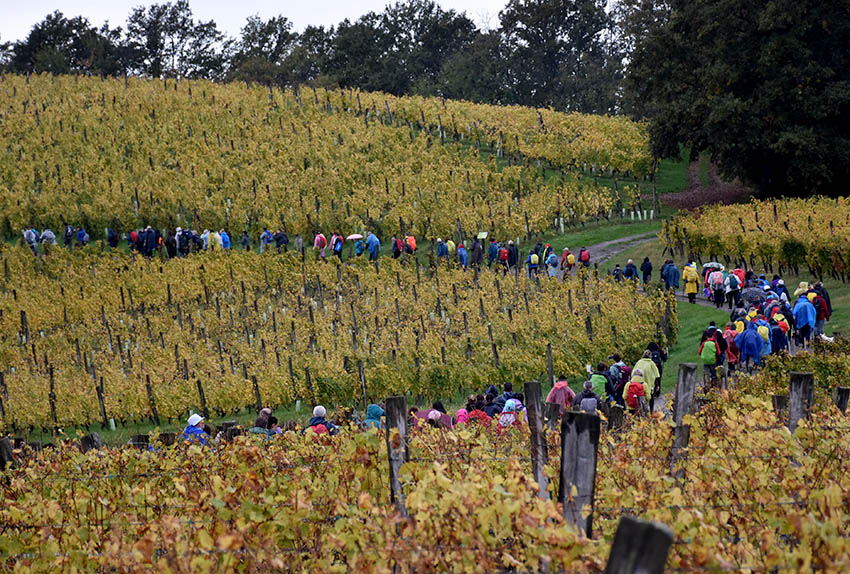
<point>128,152</point>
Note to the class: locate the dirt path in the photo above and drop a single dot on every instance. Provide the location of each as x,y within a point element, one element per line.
<point>602,252</point>
<point>717,190</point>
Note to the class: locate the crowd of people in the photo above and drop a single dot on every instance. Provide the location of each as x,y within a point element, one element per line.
<point>614,383</point>
<point>765,320</point>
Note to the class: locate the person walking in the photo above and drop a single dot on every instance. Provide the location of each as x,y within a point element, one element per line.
<point>646,270</point>
<point>691,278</point>
<point>561,394</point>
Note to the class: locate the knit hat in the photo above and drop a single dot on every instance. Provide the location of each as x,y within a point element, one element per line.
<point>195,419</point>
<point>319,411</point>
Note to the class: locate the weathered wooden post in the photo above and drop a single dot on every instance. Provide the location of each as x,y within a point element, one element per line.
<point>203,397</point>
<point>362,384</point>
<point>553,415</point>
<point>639,546</point>
<point>91,441</point>
<point>616,416</point>
<point>780,403</point>
<point>842,395</point>
<point>7,456</point>
<point>151,399</point>
<point>257,393</point>
<point>397,450</point>
<point>686,385</point>
<point>539,453</point>
<point>579,447</point>
<point>800,397</point>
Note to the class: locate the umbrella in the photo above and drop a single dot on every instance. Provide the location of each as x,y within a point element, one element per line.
<point>713,265</point>
<point>354,236</point>
<point>753,295</point>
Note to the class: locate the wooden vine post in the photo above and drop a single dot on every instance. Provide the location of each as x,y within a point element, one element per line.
<point>800,397</point>
<point>151,399</point>
<point>539,454</point>
<point>579,448</point>
<point>639,546</point>
<point>686,385</point>
<point>397,449</point>
<point>842,395</point>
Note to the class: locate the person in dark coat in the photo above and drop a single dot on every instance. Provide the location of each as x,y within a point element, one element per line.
<point>319,424</point>
<point>646,270</point>
<point>476,255</point>
<point>630,271</point>
<point>492,252</point>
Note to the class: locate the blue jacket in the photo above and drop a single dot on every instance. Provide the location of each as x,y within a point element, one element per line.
<point>671,276</point>
<point>359,247</point>
<point>778,340</point>
<point>373,416</point>
<point>493,251</point>
<point>225,240</point>
<point>193,433</point>
<point>804,313</point>
<point>749,342</point>
<point>374,244</point>
<point>463,256</point>
<point>332,430</point>
<point>442,249</point>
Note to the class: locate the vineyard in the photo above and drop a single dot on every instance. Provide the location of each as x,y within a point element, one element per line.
<point>781,235</point>
<point>128,153</point>
<point>746,495</point>
<point>149,337</point>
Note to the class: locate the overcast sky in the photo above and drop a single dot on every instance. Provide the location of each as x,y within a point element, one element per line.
<point>18,16</point>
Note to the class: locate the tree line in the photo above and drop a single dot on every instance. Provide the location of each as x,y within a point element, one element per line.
<point>543,53</point>
<point>763,87</point>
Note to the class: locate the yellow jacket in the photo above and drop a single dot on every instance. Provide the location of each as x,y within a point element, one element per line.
<point>691,279</point>
<point>650,371</point>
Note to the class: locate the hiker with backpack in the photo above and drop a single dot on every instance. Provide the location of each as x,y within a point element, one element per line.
<point>462,256</point>
<point>691,279</point>
<point>318,424</point>
<point>319,244</point>
<point>630,272</point>
<point>733,354</point>
<point>492,253</point>
<point>732,283</point>
<point>646,270</point>
<point>617,273</point>
<point>670,274</point>
<point>584,257</point>
<point>513,257</point>
<point>635,393</point>
<point>620,374</point>
<point>604,385</point>
<point>587,400</point>
<point>717,284</point>
<point>504,259</point>
<point>651,371</point>
<point>336,244</point>
<point>532,262</point>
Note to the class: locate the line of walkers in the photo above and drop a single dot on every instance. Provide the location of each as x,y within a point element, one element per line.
<point>634,388</point>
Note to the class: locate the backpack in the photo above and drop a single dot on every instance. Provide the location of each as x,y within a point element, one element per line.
<point>571,259</point>
<point>734,282</point>
<point>632,394</point>
<point>708,352</point>
<point>503,254</point>
<point>585,256</point>
<point>589,405</point>
<point>718,283</point>
<point>534,259</point>
<point>338,246</point>
<point>625,374</point>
